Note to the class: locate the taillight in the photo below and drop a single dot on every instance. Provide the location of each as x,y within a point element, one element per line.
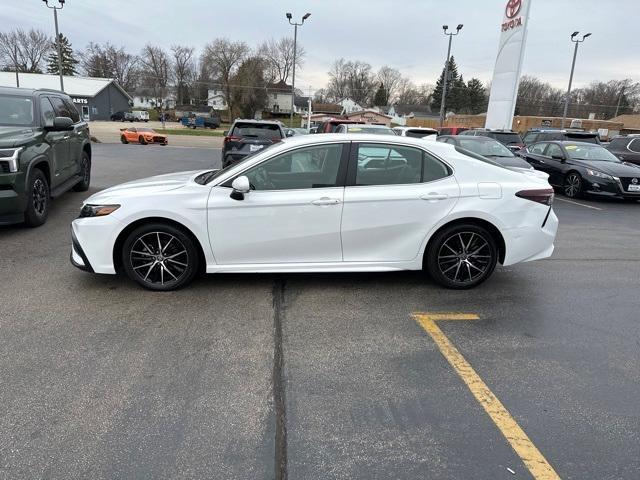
<point>543,196</point>
<point>231,138</point>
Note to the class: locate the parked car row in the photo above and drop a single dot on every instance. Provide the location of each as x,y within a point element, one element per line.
<point>134,116</point>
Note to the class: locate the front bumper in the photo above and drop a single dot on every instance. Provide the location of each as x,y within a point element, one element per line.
<point>78,257</point>
<point>93,240</point>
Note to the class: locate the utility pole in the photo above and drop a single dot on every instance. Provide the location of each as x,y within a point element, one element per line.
<point>573,66</point>
<point>446,71</point>
<point>58,43</point>
<point>295,52</point>
<point>309,113</point>
<point>15,60</point>
<point>619,100</point>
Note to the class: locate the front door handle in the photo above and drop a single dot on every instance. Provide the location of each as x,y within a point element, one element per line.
<point>326,201</point>
<point>433,196</point>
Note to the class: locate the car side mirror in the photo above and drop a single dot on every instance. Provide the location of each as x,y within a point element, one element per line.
<point>558,157</point>
<point>289,133</point>
<point>241,186</point>
<point>225,133</point>
<point>61,124</point>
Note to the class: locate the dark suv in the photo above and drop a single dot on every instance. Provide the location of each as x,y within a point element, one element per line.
<point>626,149</point>
<point>247,137</point>
<point>508,138</point>
<point>45,150</point>
<point>549,135</point>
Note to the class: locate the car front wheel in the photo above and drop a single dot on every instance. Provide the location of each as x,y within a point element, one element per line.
<point>572,185</point>
<point>160,257</point>
<point>38,199</point>
<point>142,141</point>
<point>461,256</point>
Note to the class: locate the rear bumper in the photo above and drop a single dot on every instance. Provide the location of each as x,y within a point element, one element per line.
<point>532,242</point>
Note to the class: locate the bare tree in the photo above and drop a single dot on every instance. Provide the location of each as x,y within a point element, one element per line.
<point>279,57</point>
<point>388,78</point>
<point>352,79</point>
<point>249,91</point>
<point>406,92</point>
<point>224,57</point>
<point>338,87</point>
<point>183,70</point>
<point>107,61</point>
<point>156,71</point>
<point>24,50</point>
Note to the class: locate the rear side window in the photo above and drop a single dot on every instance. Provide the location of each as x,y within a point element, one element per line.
<point>257,130</point>
<point>417,133</point>
<point>634,146</point>
<point>48,114</point>
<point>380,164</point>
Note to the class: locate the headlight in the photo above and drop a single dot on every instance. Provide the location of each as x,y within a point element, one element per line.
<point>595,173</point>
<point>11,155</point>
<point>97,210</point>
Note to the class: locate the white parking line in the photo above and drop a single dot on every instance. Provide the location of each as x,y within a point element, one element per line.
<point>581,204</point>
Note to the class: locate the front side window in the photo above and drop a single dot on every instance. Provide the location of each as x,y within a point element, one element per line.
<point>60,107</point>
<point>538,148</point>
<point>554,151</point>
<point>73,111</point>
<point>16,111</point>
<point>309,167</point>
<point>46,109</point>
<point>396,165</point>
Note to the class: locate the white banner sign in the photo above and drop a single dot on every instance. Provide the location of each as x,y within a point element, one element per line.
<point>506,74</point>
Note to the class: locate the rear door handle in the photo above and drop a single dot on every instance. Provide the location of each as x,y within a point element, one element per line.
<point>326,201</point>
<point>433,196</point>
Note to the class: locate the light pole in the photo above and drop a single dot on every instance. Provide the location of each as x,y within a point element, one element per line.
<point>295,52</point>
<point>573,66</point>
<point>446,71</point>
<point>55,19</point>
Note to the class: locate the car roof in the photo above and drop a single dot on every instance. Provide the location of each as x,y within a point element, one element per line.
<point>473,138</point>
<point>365,125</point>
<point>270,122</point>
<point>27,91</point>
<point>301,140</point>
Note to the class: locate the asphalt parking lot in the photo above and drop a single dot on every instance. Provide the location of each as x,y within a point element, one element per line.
<point>100,379</point>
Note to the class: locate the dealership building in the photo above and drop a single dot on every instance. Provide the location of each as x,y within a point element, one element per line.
<point>95,98</point>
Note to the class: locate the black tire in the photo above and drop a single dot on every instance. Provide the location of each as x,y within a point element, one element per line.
<point>226,161</point>
<point>572,185</point>
<point>148,265</point>
<point>141,140</point>
<point>123,139</point>
<point>37,200</point>
<point>85,173</point>
<point>461,256</point>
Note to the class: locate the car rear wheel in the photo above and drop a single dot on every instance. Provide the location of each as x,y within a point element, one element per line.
<point>123,139</point>
<point>160,257</point>
<point>572,187</point>
<point>85,173</point>
<point>141,140</point>
<point>462,256</point>
<point>38,200</point>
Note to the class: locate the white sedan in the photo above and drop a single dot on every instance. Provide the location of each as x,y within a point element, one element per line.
<point>322,203</point>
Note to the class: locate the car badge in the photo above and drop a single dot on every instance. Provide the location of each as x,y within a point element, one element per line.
<point>634,181</point>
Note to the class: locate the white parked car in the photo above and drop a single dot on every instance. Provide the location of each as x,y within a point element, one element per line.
<point>322,203</point>
<point>140,115</point>
<point>416,132</point>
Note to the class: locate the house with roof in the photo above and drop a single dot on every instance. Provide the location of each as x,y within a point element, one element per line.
<point>144,98</point>
<point>95,98</point>
<point>370,116</point>
<point>278,98</point>
<point>216,99</point>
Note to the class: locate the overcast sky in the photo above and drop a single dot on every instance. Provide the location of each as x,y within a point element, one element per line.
<point>404,34</point>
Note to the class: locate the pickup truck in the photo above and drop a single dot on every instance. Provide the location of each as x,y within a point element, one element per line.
<point>45,150</point>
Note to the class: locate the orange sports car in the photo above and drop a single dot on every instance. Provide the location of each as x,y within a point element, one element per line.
<point>143,136</point>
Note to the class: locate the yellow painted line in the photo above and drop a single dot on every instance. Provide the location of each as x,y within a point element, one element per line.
<point>578,203</point>
<point>537,465</point>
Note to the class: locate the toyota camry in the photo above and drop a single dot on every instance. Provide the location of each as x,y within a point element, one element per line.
<point>322,203</point>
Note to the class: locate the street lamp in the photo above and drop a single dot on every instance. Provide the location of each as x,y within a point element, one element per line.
<point>295,52</point>
<point>446,70</point>
<point>573,65</point>
<point>55,19</point>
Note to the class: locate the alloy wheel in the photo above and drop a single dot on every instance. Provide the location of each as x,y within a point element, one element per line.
<point>39,196</point>
<point>464,257</point>
<point>159,258</point>
<point>572,185</point>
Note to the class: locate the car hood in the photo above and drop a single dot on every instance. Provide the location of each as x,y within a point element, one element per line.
<point>15,136</point>
<point>611,168</point>
<point>144,186</point>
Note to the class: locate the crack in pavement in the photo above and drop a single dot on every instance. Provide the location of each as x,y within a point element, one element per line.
<point>278,383</point>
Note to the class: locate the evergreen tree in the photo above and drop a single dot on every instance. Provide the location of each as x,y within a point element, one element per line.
<point>380,98</point>
<point>69,61</point>
<point>455,89</point>
<point>476,97</point>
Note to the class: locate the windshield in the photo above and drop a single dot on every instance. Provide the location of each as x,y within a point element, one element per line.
<point>374,130</point>
<point>507,138</point>
<point>590,153</point>
<point>16,111</point>
<point>146,130</point>
<point>475,156</point>
<point>490,148</point>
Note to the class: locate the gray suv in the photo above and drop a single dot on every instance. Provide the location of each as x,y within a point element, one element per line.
<point>626,148</point>
<point>45,150</point>
<point>246,137</point>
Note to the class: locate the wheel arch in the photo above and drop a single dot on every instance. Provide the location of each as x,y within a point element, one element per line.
<point>122,236</point>
<point>41,163</point>
<point>490,227</point>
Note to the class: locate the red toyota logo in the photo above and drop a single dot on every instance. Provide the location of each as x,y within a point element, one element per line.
<point>513,8</point>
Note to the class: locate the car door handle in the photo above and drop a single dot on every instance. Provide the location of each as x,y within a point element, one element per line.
<point>433,196</point>
<point>326,201</point>
<point>66,138</point>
